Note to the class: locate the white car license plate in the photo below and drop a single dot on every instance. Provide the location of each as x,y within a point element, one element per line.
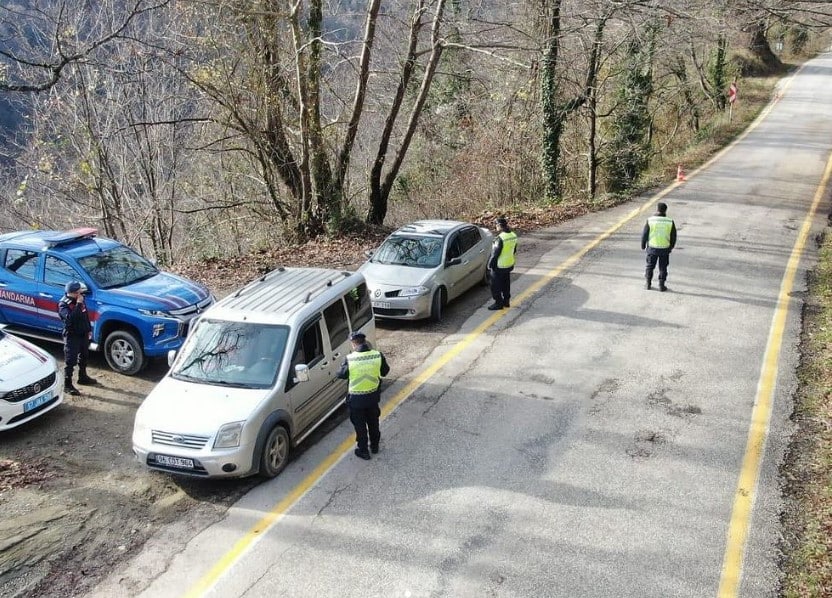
<point>175,462</point>
<point>37,402</point>
<point>381,304</point>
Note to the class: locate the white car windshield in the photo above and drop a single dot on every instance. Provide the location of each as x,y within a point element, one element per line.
<point>238,354</point>
<point>418,252</point>
<point>117,267</point>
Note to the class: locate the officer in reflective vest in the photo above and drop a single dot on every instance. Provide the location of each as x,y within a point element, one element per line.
<point>659,239</point>
<point>501,264</point>
<point>364,368</point>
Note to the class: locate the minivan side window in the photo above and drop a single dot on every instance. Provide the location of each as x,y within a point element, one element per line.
<point>336,323</point>
<point>358,306</point>
<point>309,349</point>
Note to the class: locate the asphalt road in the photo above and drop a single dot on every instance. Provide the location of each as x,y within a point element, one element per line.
<point>593,440</point>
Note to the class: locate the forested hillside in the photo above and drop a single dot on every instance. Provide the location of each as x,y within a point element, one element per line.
<point>196,129</point>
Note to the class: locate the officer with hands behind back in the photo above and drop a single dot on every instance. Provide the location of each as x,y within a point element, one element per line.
<point>659,239</point>
<point>77,335</point>
<point>364,367</point>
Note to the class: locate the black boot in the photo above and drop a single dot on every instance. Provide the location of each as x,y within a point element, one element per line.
<point>68,387</point>
<point>83,378</point>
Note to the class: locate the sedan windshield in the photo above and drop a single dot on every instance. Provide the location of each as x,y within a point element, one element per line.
<point>239,354</point>
<point>419,252</point>
<point>117,267</point>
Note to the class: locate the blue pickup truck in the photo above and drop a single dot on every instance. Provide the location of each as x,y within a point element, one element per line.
<point>137,311</point>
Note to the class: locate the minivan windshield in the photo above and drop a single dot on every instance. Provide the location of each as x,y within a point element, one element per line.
<point>238,354</point>
<point>117,267</point>
<point>415,251</point>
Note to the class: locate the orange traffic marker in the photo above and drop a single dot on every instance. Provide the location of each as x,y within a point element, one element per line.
<point>680,174</point>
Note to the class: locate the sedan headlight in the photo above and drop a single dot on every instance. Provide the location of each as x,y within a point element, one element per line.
<point>229,435</point>
<point>414,291</point>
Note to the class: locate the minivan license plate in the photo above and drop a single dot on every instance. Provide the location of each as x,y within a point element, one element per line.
<point>175,462</point>
<point>37,402</point>
<point>381,304</point>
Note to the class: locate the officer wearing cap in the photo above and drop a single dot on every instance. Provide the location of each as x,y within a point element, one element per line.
<point>659,238</point>
<point>364,367</point>
<point>501,263</point>
<point>77,335</point>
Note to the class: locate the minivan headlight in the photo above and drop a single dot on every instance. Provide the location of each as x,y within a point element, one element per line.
<point>229,435</point>
<point>413,291</point>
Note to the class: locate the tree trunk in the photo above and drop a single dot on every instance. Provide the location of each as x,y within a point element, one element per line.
<point>759,46</point>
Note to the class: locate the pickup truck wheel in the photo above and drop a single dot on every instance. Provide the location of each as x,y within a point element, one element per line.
<point>124,353</point>
<point>275,454</point>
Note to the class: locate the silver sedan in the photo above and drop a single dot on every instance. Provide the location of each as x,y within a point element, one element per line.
<point>421,266</point>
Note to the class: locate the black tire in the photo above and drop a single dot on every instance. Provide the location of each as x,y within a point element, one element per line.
<point>437,305</point>
<point>124,353</point>
<point>275,453</point>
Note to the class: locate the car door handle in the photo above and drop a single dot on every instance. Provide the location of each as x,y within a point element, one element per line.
<point>336,354</point>
<point>45,295</point>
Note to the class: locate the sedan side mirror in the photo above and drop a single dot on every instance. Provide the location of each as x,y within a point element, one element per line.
<point>301,373</point>
<point>454,261</point>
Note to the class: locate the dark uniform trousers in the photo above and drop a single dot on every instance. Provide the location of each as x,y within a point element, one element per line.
<point>76,351</point>
<point>660,257</point>
<point>365,422</point>
<point>501,286</point>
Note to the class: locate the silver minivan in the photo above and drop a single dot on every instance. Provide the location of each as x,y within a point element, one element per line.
<point>256,375</point>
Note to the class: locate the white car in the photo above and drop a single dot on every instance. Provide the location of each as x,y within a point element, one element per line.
<point>422,266</point>
<point>31,382</point>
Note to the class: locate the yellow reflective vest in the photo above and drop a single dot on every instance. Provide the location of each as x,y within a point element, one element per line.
<point>660,227</point>
<point>364,371</point>
<point>506,257</point>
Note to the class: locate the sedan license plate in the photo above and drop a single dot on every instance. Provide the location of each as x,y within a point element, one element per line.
<point>179,462</point>
<point>381,304</point>
<point>37,402</point>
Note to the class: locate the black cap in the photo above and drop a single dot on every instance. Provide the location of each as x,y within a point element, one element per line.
<point>501,220</point>
<point>357,336</point>
<point>73,286</point>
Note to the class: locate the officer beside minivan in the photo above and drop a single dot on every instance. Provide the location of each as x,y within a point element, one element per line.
<point>364,367</point>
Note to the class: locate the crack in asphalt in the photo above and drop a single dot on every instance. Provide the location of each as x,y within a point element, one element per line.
<point>332,496</point>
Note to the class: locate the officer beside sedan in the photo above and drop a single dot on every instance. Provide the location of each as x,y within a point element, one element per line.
<point>501,264</point>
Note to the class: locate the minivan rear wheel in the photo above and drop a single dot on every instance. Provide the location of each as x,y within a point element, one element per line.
<point>124,353</point>
<point>275,453</point>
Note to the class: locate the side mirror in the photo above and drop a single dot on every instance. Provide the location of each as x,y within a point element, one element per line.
<point>301,373</point>
<point>454,261</point>
<point>171,357</point>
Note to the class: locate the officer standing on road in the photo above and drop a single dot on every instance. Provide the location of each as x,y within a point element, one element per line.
<point>501,263</point>
<point>77,335</point>
<point>364,368</point>
<point>659,238</point>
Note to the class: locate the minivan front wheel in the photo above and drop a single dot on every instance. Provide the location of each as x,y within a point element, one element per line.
<point>124,353</point>
<point>275,453</point>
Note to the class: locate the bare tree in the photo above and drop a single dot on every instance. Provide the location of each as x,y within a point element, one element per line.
<point>40,39</point>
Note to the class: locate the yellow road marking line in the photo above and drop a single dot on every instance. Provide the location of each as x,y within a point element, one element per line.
<point>207,581</point>
<point>761,414</point>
